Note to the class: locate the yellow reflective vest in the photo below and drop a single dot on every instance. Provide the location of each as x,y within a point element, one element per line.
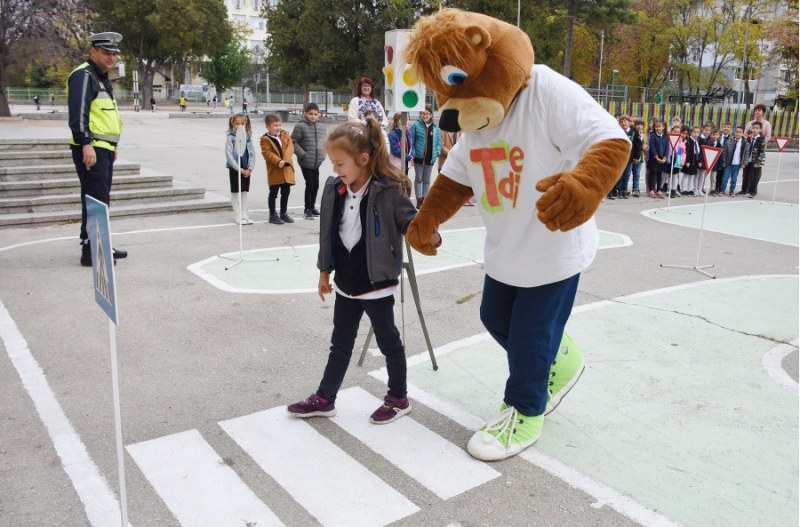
<point>93,113</point>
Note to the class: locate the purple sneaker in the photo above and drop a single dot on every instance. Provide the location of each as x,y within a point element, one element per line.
<point>314,406</point>
<point>392,409</point>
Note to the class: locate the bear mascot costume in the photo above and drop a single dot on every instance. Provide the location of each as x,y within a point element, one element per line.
<point>538,154</point>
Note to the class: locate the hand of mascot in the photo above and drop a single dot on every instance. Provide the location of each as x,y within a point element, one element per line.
<point>569,199</point>
<point>444,199</point>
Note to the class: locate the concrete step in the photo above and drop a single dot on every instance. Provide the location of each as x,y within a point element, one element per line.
<point>49,187</point>
<point>16,158</point>
<point>209,202</point>
<point>67,202</point>
<point>59,171</point>
<point>23,145</point>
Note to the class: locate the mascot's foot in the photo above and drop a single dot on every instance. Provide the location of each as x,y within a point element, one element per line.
<point>564,373</point>
<point>506,435</point>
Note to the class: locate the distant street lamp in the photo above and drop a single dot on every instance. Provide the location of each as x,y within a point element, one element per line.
<point>613,82</point>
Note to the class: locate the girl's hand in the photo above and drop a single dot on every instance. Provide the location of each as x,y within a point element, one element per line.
<point>324,286</point>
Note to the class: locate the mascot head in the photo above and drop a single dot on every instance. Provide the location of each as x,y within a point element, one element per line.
<point>474,64</point>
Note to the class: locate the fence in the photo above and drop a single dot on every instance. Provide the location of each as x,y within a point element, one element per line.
<point>784,122</point>
<point>286,98</point>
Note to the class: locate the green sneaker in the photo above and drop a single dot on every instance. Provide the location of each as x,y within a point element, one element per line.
<point>507,435</point>
<point>564,373</point>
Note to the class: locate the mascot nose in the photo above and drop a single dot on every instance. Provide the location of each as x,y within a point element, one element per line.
<point>448,121</point>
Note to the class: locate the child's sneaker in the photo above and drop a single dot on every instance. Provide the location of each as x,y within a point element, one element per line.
<point>314,406</point>
<point>564,373</point>
<point>392,409</point>
<point>507,435</point>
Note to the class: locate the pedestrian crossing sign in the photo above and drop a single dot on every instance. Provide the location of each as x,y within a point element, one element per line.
<point>98,225</point>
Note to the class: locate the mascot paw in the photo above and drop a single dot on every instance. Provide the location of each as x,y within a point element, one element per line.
<point>420,238</point>
<point>565,203</point>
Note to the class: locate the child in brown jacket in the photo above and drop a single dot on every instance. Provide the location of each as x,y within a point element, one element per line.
<point>277,148</point>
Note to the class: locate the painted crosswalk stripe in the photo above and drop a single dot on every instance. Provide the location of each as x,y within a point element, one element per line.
<point>196,484</point>
<point>320,476</point>
<point>444,468</point>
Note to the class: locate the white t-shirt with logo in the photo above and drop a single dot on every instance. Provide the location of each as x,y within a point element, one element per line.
<point>548,128</point>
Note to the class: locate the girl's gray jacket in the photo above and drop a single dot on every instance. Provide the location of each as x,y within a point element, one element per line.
<point>389,212</point>
<point>232,156</point>
<point>309,143</point>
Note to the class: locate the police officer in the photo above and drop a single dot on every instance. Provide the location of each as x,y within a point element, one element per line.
<point>95,124</point>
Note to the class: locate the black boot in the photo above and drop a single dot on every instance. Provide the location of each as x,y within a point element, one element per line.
<point>86,254</point>
<point>119,254</point>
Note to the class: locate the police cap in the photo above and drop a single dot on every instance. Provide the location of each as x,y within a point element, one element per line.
<point>108,41</point>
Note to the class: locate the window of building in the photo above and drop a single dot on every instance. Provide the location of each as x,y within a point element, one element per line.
<point>257,23</point>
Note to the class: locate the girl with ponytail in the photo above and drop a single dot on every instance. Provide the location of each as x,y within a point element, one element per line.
<point>365,211</point>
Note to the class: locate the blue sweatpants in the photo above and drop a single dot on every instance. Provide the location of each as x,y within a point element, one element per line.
<point>528,322</point>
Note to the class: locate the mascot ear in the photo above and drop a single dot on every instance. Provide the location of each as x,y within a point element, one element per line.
<point>479,37</point>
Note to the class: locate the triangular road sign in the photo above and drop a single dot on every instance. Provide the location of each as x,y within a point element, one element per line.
<point>673,139</point>
<point>710,156</point>
<point>782,142</point>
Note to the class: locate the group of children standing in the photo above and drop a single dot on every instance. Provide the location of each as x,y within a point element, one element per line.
<point>277,148</point>
<point>681,171</point>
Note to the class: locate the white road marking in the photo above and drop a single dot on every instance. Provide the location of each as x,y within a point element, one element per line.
<point>439,465</point>
<point>196,484</point>
<point>326,481</point>
<point>772,363</point>
<point>99,502</point>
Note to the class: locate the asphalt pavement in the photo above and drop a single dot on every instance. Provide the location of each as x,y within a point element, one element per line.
<point>686,415</point>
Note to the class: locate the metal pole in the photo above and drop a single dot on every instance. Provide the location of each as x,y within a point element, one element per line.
<point>600,69</point>
<point>744,54</point>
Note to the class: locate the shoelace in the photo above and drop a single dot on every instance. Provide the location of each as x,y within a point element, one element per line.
<point>505,424</point>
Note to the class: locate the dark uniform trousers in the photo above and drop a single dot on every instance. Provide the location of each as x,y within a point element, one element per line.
<point>95,181</point>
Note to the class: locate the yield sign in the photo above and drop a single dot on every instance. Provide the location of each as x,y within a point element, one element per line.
<point>710,156</point>
<point>673,139</point>
<point>782,142</point>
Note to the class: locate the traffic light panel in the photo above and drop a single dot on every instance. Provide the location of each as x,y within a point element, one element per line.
<point>404,91</point>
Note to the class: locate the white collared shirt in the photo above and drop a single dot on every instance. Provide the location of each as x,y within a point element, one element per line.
<point>350,230</point>
<point>350,224</point>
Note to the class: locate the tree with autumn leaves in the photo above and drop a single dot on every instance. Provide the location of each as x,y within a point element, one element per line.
<point>689,46</point>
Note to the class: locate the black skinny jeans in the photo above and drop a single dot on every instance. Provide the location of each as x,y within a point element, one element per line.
<point>347,313</point>
<point>285,188</point>
<point>311,175</point>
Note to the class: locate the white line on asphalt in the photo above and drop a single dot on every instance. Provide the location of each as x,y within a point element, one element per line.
<point>439,465</point>
<point>320,476</point>
<point>772,361</point>
<point>196,484</point>
<point>99,502</point>
<point>603,494</point>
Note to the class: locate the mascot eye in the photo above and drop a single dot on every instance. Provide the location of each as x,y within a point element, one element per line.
<point>453,76</point>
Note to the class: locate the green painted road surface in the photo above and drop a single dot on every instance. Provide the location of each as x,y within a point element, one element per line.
<point>675,409</point>
<point>287,270</point>
<point>760,220</point>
